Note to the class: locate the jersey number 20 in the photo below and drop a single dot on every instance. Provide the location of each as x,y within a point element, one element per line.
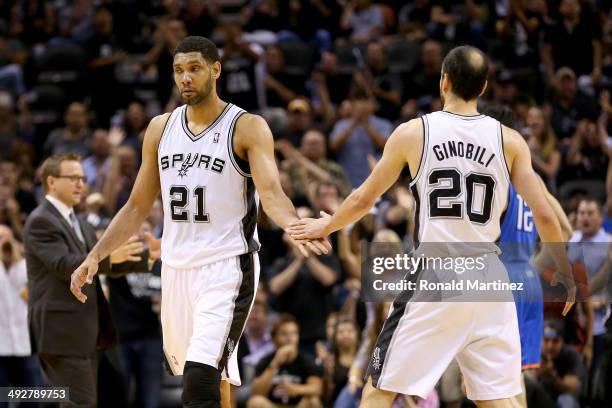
<point>478,201</point>
<point>179,199</point>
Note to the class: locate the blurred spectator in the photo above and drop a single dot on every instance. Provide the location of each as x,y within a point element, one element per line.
<point>457,22</point>
<point>121,177</point>
<point>294,281</point>
<point>364,20</point>
<point>561,371</point>
<point>97,165</point>
<point>309,164</point>
<point>413,18</point>
<point>262,15</point>
<point>75,20</point>
<point>240,80</point>
<point>13,56</point>
<point>281,86</point>
<point>569,105</point>
<point>542,142</point>
<point>343,352</point>
<point>395,213</point>
<point>132,301</point>
<point>95,214</point>
<point>17,367</point>
<point>299,120</point>
<point>34,21</point>
<point>104,51</point>
<point>74,136</point>
<point>358,137</point>
<point>287,376</point>
<point>10,211</point>
<point>200,17</point>
<point>589,246</point>
<point>586,157</point>
<point>255,343</point>
<point>15,133</point>
<point>574,42</point>
<point>133,126</point>
<point>351,394</point>
<point>12,175</point>
<point>170,31</point>
<point>378,81</point>
<point>423,83</point>
<point>329,77</point>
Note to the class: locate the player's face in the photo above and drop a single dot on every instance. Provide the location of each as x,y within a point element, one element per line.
<point>194,76</point>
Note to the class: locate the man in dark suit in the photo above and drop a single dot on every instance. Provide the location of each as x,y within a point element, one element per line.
<point>65,333</point>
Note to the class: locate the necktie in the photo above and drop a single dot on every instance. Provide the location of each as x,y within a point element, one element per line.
<point>76,227</point>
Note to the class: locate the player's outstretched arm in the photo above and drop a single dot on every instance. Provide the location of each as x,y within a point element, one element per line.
<point>254,140</point>
<point>528,186</point>
<point>358,203</point>
<point>130,217</point>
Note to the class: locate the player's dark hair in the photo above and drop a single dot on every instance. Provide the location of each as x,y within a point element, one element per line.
<point>466,71</point>
<point>199,44</point>
<point>281,321</point>
<point>52,166</point>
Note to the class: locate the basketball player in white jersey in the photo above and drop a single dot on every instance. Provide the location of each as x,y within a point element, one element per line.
<point>210,160</point>
<point>461,164</point>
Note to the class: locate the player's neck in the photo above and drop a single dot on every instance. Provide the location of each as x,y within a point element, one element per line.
<point>206,111</point>
<point>461,107</point>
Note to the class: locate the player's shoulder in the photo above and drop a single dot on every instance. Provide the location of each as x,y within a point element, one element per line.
<point>250,121</point>
<point>410,131</point>
<point>159,122</point>
<point>154,131</point>
<point>251,128</point>
<point>512,139</point>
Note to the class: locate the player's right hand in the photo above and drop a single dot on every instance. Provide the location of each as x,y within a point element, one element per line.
<point>82,275</point>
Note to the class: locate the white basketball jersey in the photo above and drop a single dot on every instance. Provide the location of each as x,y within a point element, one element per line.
<point>210,202</point>
<point>461,187</point>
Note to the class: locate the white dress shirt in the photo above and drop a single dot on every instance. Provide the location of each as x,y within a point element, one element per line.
<point>15,339</point>
<point>61,207</point>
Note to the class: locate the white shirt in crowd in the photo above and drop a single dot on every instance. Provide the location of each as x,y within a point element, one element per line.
<point>15,339</point>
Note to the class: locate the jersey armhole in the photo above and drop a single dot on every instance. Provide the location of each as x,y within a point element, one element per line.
<point>159,142</point>
<point>503,155</point>
<point>423,151</point>
<point>241,165</point>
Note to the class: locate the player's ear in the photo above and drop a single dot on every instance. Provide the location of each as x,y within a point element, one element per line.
<point>484,88</point>
<point>216,69</point>
<point>446,85</point>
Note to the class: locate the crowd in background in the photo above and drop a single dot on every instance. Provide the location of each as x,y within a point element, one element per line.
<point>333,78</point>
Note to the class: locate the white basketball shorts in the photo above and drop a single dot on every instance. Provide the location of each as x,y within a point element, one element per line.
<point>420,339</point>
<point>204,310</point>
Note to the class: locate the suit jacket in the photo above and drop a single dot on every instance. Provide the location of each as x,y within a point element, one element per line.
<point>58,322</point>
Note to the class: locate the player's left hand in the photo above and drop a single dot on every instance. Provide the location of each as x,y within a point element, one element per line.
<point>310,228</point>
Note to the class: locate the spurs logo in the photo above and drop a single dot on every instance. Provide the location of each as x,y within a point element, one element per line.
<point>230,346</point>
<point>187,164</point>
<point>376,359</point>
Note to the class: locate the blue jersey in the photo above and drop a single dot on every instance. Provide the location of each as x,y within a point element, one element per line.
<point>518,233</point>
